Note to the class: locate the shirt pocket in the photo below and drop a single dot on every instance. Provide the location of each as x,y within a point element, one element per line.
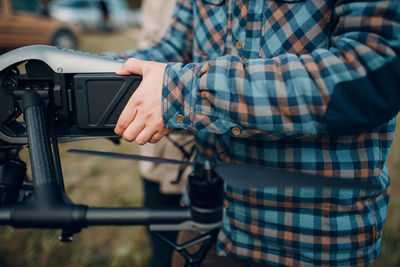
<point>295,26</point>
<point>210,28</point>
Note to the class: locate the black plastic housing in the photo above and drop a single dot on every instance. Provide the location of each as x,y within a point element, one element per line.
<point>81,105</point>
<point>99,98</point>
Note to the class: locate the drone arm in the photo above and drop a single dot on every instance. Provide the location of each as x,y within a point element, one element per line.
<point>43,169</point>
<point>67,216</point>
<point>136,216</point>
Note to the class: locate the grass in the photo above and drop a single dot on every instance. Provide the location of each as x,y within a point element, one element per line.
<point>114,41</point>
<point>95,182</point>
<point>104,182</point>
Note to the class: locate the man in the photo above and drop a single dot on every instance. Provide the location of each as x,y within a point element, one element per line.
<point>303,85</point>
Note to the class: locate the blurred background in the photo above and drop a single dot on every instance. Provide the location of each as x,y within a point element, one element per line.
<point>97,26</point>
<point>62,22</point>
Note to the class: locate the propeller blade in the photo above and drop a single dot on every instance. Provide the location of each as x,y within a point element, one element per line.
<point>245,176</point>
<point>129,157</point>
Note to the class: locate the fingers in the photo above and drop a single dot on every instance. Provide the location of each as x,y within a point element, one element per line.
<point>141,120</point>
<point>126,117</point>
<point>131,133</point>
<point>144,136</point>
<point>155,138</point>
<point>158,135</point>
<point>133,127</point>
<point>131,66</point>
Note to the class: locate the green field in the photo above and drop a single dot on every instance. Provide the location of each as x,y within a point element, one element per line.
<point>104,182</point>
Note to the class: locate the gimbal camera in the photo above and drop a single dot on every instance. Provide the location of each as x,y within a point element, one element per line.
<point>67,95</point>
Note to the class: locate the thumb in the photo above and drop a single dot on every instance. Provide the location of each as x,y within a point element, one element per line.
<point>131,66</point>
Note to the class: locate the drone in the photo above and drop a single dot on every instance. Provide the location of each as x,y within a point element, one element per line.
<point>67,95</point>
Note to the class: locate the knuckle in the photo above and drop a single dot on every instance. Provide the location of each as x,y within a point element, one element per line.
<point>147,116</point>
<point>140,141</point>
<point>137,102</point>
<point>123,125</point>
<point>117,131</point>
<point>155,139</point>
<point>127,136</point>
<point>160,124</point>
<point>131,60</point>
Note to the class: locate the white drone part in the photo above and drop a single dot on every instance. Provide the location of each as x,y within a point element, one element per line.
<point>61,60</point>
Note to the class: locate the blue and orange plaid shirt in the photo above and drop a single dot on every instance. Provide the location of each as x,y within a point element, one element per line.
<point>304,85</point>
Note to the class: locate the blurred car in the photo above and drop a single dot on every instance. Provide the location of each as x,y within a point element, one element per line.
<point>95,14</point>
<point>25,22</point>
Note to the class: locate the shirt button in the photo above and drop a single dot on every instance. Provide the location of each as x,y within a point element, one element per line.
<point>179,118</point>
<point>205,94</point>
<point>222,156</point>
<point>236,131</point>
<point>239,45</point>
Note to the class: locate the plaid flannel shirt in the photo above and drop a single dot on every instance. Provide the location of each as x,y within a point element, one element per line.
<point>304,85</point>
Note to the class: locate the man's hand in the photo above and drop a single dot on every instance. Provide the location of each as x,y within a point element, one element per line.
<point>141,120</point>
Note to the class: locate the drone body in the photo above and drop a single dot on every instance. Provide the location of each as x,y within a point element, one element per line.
<point>80,90</point>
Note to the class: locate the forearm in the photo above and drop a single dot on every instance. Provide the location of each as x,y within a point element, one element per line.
<point>350,87</point>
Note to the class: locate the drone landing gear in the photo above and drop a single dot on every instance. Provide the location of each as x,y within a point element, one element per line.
<point>12,175</point>
<point>196,258</point>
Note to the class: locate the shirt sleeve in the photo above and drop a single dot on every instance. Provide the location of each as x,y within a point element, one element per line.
<point>176,43</point>
<point>351,86</point>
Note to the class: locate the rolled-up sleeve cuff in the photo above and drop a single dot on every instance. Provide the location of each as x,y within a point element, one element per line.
<point>179,95</point>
